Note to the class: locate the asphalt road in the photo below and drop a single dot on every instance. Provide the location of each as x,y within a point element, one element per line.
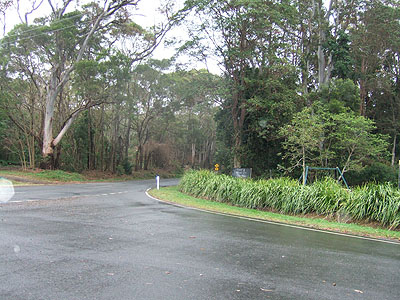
<point>110,241</point>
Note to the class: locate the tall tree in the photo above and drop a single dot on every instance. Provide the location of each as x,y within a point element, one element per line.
<point>245,35</point>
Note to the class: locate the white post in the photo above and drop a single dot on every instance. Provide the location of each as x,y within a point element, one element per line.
<point>158,182</point>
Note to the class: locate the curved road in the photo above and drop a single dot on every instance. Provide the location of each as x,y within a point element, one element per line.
<point>110,241</point>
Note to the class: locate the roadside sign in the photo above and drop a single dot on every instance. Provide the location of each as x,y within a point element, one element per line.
<point>242,172</point>
<point>216,167</point>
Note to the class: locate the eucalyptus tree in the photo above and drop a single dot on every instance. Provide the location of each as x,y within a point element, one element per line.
<point>102,79</point>
<point>196,92</point>
<point>149,91</point>
<point>55,44</point>
<point>375,36</point>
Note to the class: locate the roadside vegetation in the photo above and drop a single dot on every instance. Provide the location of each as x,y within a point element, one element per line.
<point>370,203</point>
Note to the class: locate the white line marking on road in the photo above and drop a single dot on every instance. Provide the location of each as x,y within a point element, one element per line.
<point>274,223</point>
<point>22,201</point>
<point>70,197</point>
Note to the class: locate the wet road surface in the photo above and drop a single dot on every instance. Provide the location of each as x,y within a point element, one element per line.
<point>110,241</point>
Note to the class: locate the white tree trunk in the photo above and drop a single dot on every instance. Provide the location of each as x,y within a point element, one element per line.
<point>48,117</point>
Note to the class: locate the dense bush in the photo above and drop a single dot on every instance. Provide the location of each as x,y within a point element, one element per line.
<point>373,202</point>
<point>127,167</point>
<point>376,172</point>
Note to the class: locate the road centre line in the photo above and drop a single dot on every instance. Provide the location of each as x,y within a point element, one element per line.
<point>67,197</point>
<point>274,223</point>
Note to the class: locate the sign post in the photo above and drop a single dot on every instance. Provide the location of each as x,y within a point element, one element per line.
<point>398,180</point>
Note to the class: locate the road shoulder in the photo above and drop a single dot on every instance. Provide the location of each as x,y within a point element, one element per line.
<point>173,196</point>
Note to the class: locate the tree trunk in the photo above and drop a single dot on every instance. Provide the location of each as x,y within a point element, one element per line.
<point>304,165</point>
<point>89,150</point>
<point>238,116</point>
<point>102,139</point>
<point>193,154</point>
<point>48,148</point>
<point>363,89</point>
<point>141,158</point>
<point>128,138</point>
<point>236,155</point>
<point>114,140</point>
<point>147,158</point>
<point>57,158</point>
<point>321,60</point>
<point>137,159</point>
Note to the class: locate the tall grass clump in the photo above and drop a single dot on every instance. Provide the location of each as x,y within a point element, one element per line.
<point>372,202</point>
<point>326,197</point>
<point>376,202</point>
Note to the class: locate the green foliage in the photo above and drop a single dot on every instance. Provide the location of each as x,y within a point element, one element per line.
<point>378,203</point>
<point>340,96</point>
<point>120,170</point>
<point>376,172</point>
<point>340,50</point>
<point>320,137</point>
<point>272,99</point>
<point>303,137</point>
<point>127,165</point>
<point>356,141</point>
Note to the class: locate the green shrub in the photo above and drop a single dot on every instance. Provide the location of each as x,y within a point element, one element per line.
<point>127,167</point>
<point>120,170</point>
<point>376,172</point>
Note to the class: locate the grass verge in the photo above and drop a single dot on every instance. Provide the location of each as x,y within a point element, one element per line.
<point>19,177</point>
<point>38,176</point>
<point>173,195</point>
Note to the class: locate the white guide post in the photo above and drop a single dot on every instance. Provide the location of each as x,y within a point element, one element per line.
<point>158,181</point>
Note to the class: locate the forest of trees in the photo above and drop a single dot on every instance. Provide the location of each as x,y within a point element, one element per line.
<point>302,82</point>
